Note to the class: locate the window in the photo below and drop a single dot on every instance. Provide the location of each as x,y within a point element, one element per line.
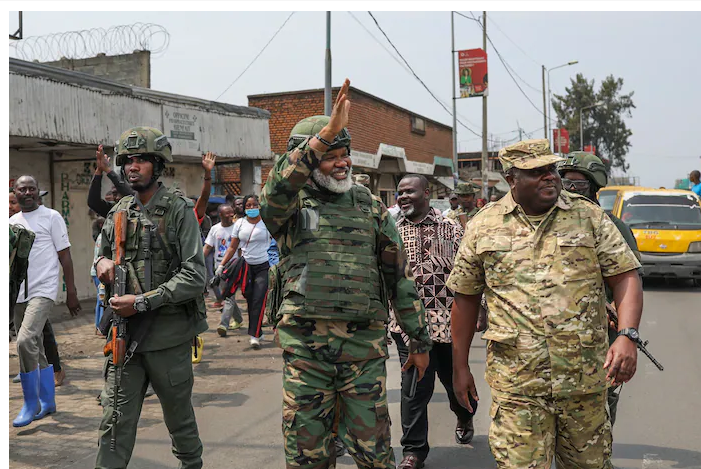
<point>642,211</point>
<point>418,125</point>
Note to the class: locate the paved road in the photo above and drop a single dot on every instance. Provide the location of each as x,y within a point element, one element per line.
<point>659,423</point>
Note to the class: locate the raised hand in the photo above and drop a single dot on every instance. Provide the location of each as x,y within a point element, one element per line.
<point>208,160</point>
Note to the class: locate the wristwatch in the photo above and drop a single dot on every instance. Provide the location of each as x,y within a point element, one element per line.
<point>141,304</point>
<point>631,333</point>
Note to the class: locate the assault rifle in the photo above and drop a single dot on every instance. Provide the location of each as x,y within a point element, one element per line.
<point>117,345</point>
<point>613,317</point>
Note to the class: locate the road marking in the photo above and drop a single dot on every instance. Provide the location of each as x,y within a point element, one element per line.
<point>651,461</point>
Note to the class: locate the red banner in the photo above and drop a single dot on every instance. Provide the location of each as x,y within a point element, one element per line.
<point>561,141</point>
<point>472,66</point>
<point>590,149</point>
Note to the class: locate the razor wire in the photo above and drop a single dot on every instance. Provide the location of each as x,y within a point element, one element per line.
<point>86,43</point>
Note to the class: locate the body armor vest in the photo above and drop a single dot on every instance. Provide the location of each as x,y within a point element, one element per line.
<point>333,258</point>
<point>143,247</point>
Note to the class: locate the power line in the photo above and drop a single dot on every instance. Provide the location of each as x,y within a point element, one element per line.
<point>416,76</point>
<point>256,57</point>
<point>512,41</point>
<point>379,42</point>
<point>503,62</point>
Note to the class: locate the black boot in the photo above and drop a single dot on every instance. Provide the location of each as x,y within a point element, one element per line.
<point>464,431</point>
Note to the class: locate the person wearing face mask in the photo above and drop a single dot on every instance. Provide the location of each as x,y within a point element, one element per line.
<point>250,236</point>
<point>584,174</point>
<point>341,261</point>
<point>542,256</point>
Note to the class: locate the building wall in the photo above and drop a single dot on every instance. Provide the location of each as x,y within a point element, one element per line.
<point>371,122</point>
<point>128,69</point>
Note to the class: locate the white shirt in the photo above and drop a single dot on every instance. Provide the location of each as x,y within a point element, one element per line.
<point>254,251</point>
<point>219,237</point>
<point>51,237</point>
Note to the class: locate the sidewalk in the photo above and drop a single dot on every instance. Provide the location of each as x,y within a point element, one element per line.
<point>57,441</point>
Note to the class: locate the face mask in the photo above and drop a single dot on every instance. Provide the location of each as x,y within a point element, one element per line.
<point>252,212</point>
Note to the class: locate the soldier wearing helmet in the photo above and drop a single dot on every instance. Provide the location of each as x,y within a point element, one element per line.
<point>341,259</point>
<point>584,174</point>
<point>164,304</point>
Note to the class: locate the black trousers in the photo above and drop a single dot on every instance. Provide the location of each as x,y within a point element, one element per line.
<point>415,410</point>
<point>256,295</point>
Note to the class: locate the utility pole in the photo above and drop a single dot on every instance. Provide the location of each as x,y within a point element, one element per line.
<point>455,114</point>
<point>545,108</point>
<point>485,179</point>
<point>327,87</point>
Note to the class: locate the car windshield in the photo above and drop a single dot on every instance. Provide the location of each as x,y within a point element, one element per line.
<point>660,210</point>
<point>607,199</point>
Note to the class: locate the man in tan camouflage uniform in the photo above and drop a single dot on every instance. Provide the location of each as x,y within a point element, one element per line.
<point>541,257</point>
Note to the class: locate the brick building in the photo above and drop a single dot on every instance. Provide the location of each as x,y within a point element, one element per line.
<point>388,140</point>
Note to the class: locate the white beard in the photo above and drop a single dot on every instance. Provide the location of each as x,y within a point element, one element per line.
<point>332,184</point>
<point>408,212</point>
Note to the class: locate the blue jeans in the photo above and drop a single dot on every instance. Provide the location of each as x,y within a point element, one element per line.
<point>98,306</point>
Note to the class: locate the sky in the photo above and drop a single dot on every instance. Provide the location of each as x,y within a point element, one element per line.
<point>656,54</point>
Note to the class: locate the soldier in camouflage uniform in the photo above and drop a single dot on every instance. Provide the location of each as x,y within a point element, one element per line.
<point>466,193</point>
<point>584,174</point>
<point>341,259</point>
<point>172,295</point>
<point>541,256</point>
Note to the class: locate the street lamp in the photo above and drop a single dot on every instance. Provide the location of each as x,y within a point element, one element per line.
<point>547,111</point>
<point>581,123</point>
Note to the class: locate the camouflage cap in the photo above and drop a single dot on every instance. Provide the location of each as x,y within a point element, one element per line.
<point>465,188</point>
<point>528,154</point>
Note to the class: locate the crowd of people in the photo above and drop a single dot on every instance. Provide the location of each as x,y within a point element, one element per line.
<point>336,275</point>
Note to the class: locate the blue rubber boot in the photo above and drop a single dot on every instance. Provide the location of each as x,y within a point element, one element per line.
<point>30,388</point>
<point>47,392</point>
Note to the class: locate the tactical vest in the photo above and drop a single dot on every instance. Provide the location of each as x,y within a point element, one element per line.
<point>142,242</point>
<point>332,260</point>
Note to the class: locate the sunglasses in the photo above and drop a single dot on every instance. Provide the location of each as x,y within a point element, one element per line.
<point>579,184</point>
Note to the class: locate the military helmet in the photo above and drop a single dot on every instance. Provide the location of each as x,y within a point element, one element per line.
<point>143,141</point>
<point>586,163</point>
<point>310,126</point>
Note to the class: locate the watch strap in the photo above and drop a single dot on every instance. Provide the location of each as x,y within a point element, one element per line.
<point>322,140</point>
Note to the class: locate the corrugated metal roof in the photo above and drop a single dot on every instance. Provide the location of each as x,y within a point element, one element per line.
<point>73,107</point>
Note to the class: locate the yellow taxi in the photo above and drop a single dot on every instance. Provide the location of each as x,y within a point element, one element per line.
<point>667,226</point>
<point>607,196</point>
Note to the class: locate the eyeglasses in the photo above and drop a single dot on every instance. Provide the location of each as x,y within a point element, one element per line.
<point>578,184</point>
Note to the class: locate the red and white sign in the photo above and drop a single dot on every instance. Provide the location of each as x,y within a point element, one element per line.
<point>472,69</point>
<point>590,149</point>
<point>561,141</point>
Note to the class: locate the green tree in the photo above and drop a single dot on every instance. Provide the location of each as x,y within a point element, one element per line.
<point>604,126</point>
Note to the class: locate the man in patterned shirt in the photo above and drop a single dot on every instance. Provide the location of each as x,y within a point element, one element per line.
<point>541,256</point>
<point>431,242</point>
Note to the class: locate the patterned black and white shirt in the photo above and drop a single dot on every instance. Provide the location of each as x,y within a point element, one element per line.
<point>431,245</point>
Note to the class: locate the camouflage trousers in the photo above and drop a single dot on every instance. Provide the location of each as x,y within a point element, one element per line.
<point>311,390</point>
<point>527,432</point>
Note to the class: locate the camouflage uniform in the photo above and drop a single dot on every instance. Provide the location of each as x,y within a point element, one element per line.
<point>463,189</point>
<point>344,246</point>
<point>547,335</point>
<point>163,358</point>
